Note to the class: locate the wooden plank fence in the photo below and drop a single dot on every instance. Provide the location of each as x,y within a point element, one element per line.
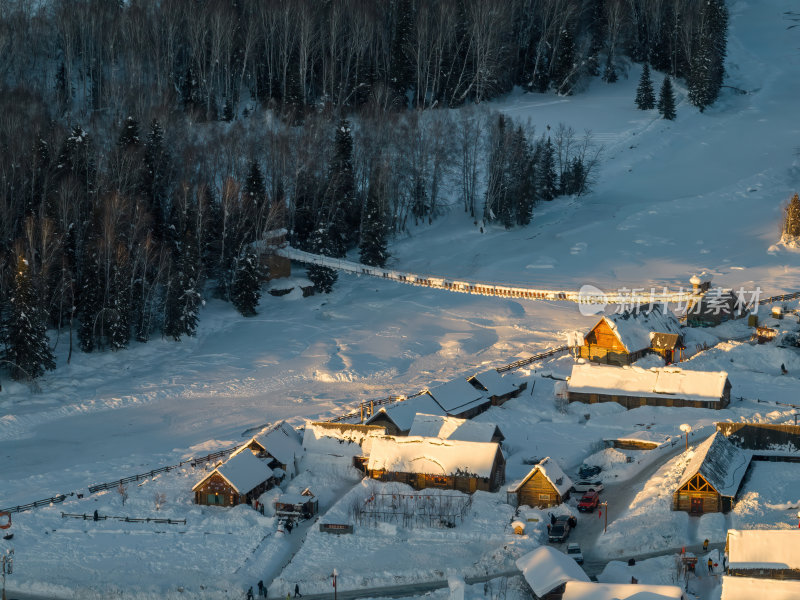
<point>124,519</point>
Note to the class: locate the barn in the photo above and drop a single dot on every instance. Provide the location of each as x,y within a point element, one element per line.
<point>279,443</point>
<point>712,478</point>
<point>423,462</point>
<point>764,553</point>
<point>623,338</point>
<point>634,386</point>
<point>546,485</point>
<point>499,388</point>
<point>547,571</point>
<point>452,428</point>
<point>238,480</point>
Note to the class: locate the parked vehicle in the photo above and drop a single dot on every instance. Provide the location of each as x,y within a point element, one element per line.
<point>559,531</point>
<point>587,471</point>
<point>588,485</point>
<point>574,551</point>
<point>589,502</point>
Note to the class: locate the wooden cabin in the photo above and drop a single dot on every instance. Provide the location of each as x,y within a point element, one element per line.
<point>545,486</point>
<point>712,478</point>
<point>621,339</point>
<point>239,480</point>
<point>634,386</point>
<point>497,387</point>
<point>458,398</point>
<point>280,443</point>
<point>434,463</point>
<point>765,334</point>
<point>638,440</point>
<point>714,307</point>
<point>547,572</point>
<point>452,428</point>
<point>750,588</point>
<point>299,506</point>
<point>272,265</point>
<point>398,417</point>
<point>766,437</point>
<point>763,553</point>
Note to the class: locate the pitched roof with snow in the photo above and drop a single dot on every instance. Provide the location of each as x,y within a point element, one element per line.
<point>764,549</point>
<point>402,413</point>
<point>592,378</point>
<point>747,588</point>
<point>432,456</point>
<point>721,464</point>
<point>457,396</point>
<point>243,470</point>
<point>644,436</point>
<point>281,441</point>
<point>554,474</point>
<point>327,438</point>
<point>635,329</point>
<point>546,568</point>
<point>495,383</point>
<point>582,590</point>
<point>453,428</point>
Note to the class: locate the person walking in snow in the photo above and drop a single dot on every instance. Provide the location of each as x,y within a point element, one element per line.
<point>261,592</point>
<point>783,369</point>
<point>297,593</point>
<point>705,545</point>
<point>710,566</point>
<point>250,593</point>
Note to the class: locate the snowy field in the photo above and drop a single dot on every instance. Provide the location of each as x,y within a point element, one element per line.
<point>704,192</point>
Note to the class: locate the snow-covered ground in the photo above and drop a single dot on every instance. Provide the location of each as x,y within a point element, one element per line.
<point>704,192</point>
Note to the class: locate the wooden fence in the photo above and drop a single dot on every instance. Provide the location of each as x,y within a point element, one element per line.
<point>125,519</point>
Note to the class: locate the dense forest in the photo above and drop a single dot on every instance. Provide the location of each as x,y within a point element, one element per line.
<point>146,147</point>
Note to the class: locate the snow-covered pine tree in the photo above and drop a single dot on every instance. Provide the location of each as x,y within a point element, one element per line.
<point>565,71</point>
<point>343,213</point>
<point>129,136</point>
<point>497,177</point>
<point>645,96</point>
<point>90,300</point>
<point>227,110</point>
<point>610,71</point>
<point>322,277</point>
<point>546,178</point>
<point>254,195</point>
<point>246,291</point>
<point>707,67</point>
<point>666,100</point>
<point>119,330</point>
<point>521,174</point>
<point>183,298</point>
<point>374,228</point>
<point>156,178</point>
<point>26,344</point>
<point>401,69</point>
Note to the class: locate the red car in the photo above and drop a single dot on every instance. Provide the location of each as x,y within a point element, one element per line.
<point>589,502</point>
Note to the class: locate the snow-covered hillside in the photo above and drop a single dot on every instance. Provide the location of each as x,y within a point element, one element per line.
<point>704,192</point>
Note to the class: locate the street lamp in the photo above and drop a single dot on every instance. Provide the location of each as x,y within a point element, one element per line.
<point>686,428</point>
<point>605,514</point>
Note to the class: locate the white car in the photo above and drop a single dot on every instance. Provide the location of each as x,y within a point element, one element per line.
<point>574,552</point>
<point>587,486</point>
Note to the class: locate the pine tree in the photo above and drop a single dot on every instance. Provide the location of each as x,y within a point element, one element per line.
<point>190,92</point>
<point>791,226</point>
<point>564,70</point>
<point>610,71</point>
<point>707,67</point>
<point>254,193</point>
<point>26,340</point>
<point>119,330</point>
<point>374,229</point>
<point>247,284</point>
<point>155,178</point>
<point>645,97</point>
<point>521,175</point>
<point>666,100</point>
<point>496,207</point>
<point>343,213</point>
<point>322,277</point>
<point>401,73</point>
<point>546,182</point>
<point>90,301</point>
<point>129,136</point>
<point>227,110</point>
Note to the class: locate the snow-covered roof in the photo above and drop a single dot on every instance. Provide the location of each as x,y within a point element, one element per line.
<point>457,396</point>
<point>582,590</point>
<point>546,568</point>
<point>635,329</point>
<point>281,441</point>
<point>432,456</point>
<point>764,549</point>
<point>293,499</point>
<point>402,413</point>
<point>352,440</point>
<point>554,474</point>
<point>452,428</point>
<point>701,278</point>
<point>721,464</point>
<point>495,383</point>
<point>592,378</point>
<point>747,588</point>
<point>243,470</point>
<point>644,436</point>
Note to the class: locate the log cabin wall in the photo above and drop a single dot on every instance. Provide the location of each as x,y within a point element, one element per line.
<point>537,491</point>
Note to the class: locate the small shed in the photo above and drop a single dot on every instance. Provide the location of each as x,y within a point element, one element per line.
<point>623,338</point>
<point>581,590</point>
<point>764,553</point>
<point>712,478</point>
<point>748,588</point>
<point>453,428</point>
<point>398,417</point>
<point>280,443</point>
<point>547,571</point>
<point>638,440</point>
<point>238,480</point>
<point>498,387</point>
<point>424,462</point>
<point>634,386</point>
<point>546,485</point>
<point>765,334</point>
<point>300,506</point>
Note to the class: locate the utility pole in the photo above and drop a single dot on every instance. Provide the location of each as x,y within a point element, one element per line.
<point>605,514</point>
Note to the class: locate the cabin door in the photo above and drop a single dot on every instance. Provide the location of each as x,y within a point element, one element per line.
<point>697,506</point>
<point>668,357</point>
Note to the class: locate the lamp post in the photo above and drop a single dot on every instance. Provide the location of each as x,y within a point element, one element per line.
<point>686,428</point>
<point>605,514</point>
<point>335,573</point>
